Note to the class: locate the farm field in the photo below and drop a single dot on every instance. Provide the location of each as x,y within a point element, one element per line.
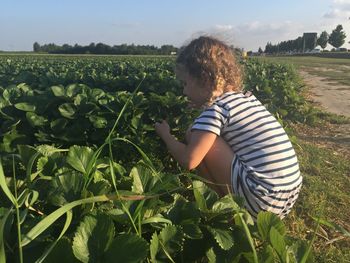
<point>84,177</point>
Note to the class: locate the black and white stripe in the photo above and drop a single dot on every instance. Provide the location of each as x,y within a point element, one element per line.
<point>265,170</point>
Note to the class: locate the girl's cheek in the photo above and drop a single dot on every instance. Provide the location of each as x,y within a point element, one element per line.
<point>184,91</point>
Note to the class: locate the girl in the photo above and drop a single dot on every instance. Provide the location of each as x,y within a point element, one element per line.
<point>235,142</point>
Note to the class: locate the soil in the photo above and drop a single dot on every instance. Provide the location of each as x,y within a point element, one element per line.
<point>331,97</point>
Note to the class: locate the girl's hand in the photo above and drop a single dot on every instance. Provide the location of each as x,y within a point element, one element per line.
<point>162,129</point>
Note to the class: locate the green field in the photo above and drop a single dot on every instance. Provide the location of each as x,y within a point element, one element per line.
<point>84,178</point>
<point>333,69</point>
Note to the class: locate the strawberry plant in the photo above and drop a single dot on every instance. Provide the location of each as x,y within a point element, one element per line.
<point>84,178</point>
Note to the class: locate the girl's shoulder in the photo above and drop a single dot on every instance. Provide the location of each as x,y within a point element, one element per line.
<point>226,97</point>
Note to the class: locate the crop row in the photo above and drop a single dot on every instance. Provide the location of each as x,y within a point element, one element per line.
<point>84,177</point>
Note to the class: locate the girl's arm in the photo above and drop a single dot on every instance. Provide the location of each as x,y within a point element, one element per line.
<point>191,155</point>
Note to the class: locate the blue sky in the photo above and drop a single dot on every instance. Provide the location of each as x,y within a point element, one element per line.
<point>247,24</point>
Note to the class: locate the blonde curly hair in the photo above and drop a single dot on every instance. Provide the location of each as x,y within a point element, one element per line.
<point>212,62</point>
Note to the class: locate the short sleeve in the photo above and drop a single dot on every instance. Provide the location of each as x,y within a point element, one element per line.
<point>212,119</point>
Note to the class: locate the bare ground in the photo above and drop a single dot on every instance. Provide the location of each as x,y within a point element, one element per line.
<point>331,97</point>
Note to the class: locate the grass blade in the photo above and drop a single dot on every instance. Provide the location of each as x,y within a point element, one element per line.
<point>2,238</point>
<point>5,188</point>
<point>51,218</point>
<point>123,109</point>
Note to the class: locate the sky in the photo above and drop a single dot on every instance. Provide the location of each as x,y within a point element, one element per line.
<point>247,24</point>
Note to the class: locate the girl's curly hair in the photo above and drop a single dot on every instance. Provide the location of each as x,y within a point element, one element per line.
<point>213,62</point>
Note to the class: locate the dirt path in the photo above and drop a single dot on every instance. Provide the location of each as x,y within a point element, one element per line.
<point>331,96</point>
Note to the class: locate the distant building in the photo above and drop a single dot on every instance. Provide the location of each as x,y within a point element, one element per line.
<point>309,41</point>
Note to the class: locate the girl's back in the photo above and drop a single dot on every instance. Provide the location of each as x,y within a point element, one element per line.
<point>265,164</point>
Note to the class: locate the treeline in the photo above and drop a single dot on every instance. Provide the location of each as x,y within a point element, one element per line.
<point>308,42</point>
<point>101,48</point>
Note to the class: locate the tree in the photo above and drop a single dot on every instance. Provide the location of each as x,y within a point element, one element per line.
<point>323,39</point>
<point>36,47</point>
<point>337,37</point>
<point>260,50</point>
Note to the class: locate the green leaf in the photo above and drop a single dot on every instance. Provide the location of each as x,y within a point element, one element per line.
<point>81,158</point>
<point>6,94</point>
<point>26,152</point>
<point>10,124</point>
<point>167,243</point>
<point>156,219</point>
<point>205,197</point>
<point>48,150</point>
<point>35,120</point>
<point>98,122</point>
<point>25,106</point>
<point>267,255</point>
<point>154,246</point>
<point>74,89</point>
<point>283,112</point>
<point>47,221</point>
<point>88,108</point>
<point>62,252</point>
<point>59,125</point>
<point>192,231</point>
<point>3,220</point>
<point>93,237</point>
<point>211,255</point>
<point>127,248</point>
<point>300,248</point>
<point>267,220</point>
<point>222,236</point>
<point>58,91</point>
<point>80,99</point>
<point>135,122</point>
<point>249,256</point>
<point>142,179</point>
<point>100,187</point>
<point>186,214</point>
<point>171,238</point>
<point>226,203</point>
<point>145,158</point>
<point>53,244</point>
<point>4,186</point>
<point>97,94</point>
<point>278,243</point>
<point>67,110</point>
<point>66,188</point>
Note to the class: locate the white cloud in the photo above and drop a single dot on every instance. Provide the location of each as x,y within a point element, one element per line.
<point>336,13</point>
<point>340,9</point>
<point>343,3</point>
<point>224,27</point>
<point>255,34</point>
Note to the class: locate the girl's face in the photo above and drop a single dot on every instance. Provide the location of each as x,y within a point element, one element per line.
<point>193,88</point>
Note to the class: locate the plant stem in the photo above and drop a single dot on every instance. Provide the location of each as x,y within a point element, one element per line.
<point>250,239</point>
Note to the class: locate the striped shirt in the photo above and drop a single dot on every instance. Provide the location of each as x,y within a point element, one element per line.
<point>265,170</point>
